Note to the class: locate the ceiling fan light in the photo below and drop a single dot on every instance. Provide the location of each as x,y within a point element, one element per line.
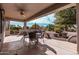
<point>22,13</point>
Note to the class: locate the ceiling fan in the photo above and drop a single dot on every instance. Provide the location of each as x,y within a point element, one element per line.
<point>21,8</point>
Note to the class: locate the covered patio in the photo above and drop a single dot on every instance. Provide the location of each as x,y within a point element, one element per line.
<point>26,12</point>
<point>15,44</point>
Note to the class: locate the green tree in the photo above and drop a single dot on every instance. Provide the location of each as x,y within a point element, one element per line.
<point>19,27</point>
<point>35,26</point>
<point>12,27</point>
<point>66,17</point>
<point>50,27</point>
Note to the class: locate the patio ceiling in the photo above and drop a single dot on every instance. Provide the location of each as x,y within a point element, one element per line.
<point>31,10</point>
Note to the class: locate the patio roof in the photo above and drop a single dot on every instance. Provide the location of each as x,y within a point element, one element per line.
<point>31,10</point>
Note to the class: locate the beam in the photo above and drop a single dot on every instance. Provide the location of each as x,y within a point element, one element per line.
<point>13,19</point>
<point>47,10</point>
<point>51,9</point>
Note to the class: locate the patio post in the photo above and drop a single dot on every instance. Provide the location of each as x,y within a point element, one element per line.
<point>7,27</point>
<point>2,29</point>
<point>77,22</point>
<point>24,25</point>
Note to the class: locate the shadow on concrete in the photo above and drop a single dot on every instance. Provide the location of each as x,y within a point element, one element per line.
<point>50,48</point>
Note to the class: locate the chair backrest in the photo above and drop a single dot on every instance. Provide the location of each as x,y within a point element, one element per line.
<point>72,38</point>
<point>32,35</point>
<point>40,34</point>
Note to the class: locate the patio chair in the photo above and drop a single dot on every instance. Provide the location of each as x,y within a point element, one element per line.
<point>40,35</point>
<point>72,38</point>
<point>33,39</point>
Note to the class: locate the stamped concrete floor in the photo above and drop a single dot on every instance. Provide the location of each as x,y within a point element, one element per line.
<point>16,44</point>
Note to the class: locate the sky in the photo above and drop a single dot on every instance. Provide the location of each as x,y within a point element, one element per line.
<point>43,21</point>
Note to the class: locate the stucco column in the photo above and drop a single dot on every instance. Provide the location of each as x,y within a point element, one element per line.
<point>2,29</point>
<point>7,27</point>
<point>25,25</point>
<point>77,22</point>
